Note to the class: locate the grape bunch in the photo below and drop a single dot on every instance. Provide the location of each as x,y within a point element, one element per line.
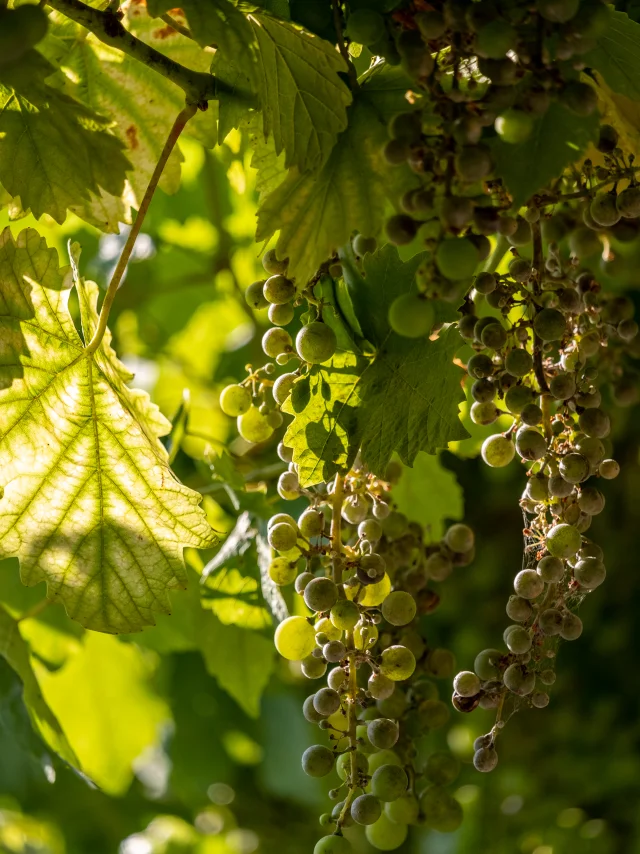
<point>364,572</point>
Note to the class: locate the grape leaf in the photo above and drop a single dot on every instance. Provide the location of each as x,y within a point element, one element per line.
<point>558,138</point>
<point>54,152</point>
<point>405,398</point>
<point>116,714</point>
<point>14,650</point>
<point>241,660</point>
<point>90,504</point>
<point>304,100</point>
<point>429,493</point>
<point>212,22</point>
<point>617,56</point>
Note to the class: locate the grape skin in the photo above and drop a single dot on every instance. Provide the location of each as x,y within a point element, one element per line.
<point>295,638</point>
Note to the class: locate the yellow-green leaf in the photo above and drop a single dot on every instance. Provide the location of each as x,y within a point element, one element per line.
<point>90,504</point>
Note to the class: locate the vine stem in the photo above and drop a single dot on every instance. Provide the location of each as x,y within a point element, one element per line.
<point>178,126</point>
<point>344,53</point>
<point>500,250</point>
<point>538,257</point>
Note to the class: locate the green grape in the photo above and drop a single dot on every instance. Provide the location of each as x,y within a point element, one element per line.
<point>336,678</point>
<point>313,668</point>
<point>282,518</point>
<point>519,609</point>
<point>404,810</point>
<point>438,566</point>
<point>281,315</point>
<point>383,733</point>
<point>326,627</point>
<point>591,501</point>
<point>326,701</point>
<point>609,469</point>
<point>584,242</point>
<point>309,712</point>
<point>411,316</point>
<point>272,265</point>
<point>276,341</point>
<point>432,25</point>
<point>282,571</point>
<point>518,362</point>
<point>517,398</point>
<point>311,523</point>
<point>441,663</point>
<point>389,782</point>
<point>480,366</point>
<point>486,664</point>
<point>483,391</point>
<point>344,614</point>
<point>538,488</point>
<point>442,768</point>
<point>459,538</point>
<point>498,451</point>
<point>253,426</point>
<point>363,245</point>
<point>364,743</point>
<point>530,444</point>
<point>549,324</point>
<point>282,537</point>
<point>279,290</point>
<point>547,677</point>
<point>254,295</point>
<point>381,687</point>
<point>386,835</point>
<point>589,573</point>
<point>595,423</point>
<point>495,39</point>
<point>234,399</point>
<point>628,202</point>
<point>550,622</point>
<point>485,759</point>
<point>334,651</point>
<point>316,342</point>
<point>364,635</point>
<point>518,680</point>
<point>473,163</point>
<point>494,336</point>
<point>457,258</point>
<point>550,569</point>
<point>399,608</point>
<point>433,714</point>
<point>528,584</point>
<point>333,845</point>
<point>20,30</point>
<point>571,627</point>
<point>366,809</point>
<point>288,486</point>
<point>604,210</point>
<point>321,594</point>
<point>514,126</point>
<point>397,662</point>
<point>466,684</point>
<point>295,638</point>
<point>558,11</point>
<point>563,540</point>
<point>370,530</point>
<point>539,699</point>
<point>282,387</point>
<point>365,26</point>
<point>563,386</point>
<point>317,761</point>
<point>574,468</point>
<point>401,229</point>
<point>441,810</point>
<point>343,764</point>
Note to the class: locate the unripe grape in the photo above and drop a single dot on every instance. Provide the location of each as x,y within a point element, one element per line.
<point>547,677</point>
<point>235,400</point>
<point>253,426</point>
<point>370,530</point>
<point>479,366</point>
<point>485,283</point>
<point>518,362</point>
<point>389,782</point>
<point>498,451</point>
<point>371,568</point>
<point>517,639</point>
<point>288,485</point>
<point>571,627</point>
<point>441,663</point>
<point>580,98</point>
<point>276,341</point>
<point>381,687</point>
<point>563,540</point>
<point>295,639</point>
<point>559,487</point>
<point>537,488</point>
<point>459,538</point>
<point>514,126</point>
<point>466,684</point>
<point>590,573</point>
<point>364,635</point>
<point>517,398</point>
<point>518,680</point>
<point>485,759</point>
<point>343,764</point>
<point>473,162</point>
<point>366,809</point>
<point>337,678</point>
<point>486,664</point>
<point>271,263</point>
<point>282,571</point>
<point>399,608</point>
<point>403,811</point>
<point>365,26</point>
<point>609,469</point>
<point>438,566</point>
<point>628,202</point>
<point>313,668</point>
<point>363,245</point>
<point>456,258</point>
<point>411,316</point>
<point>591,501</point>
<point>386,835</point>
<point>574,468</point>
<point>550,622</point>
<point>383,733</point>
<point>441,810</point>
<point>316,342</point>
<point>483,391</point>
<point>550,569</point>
<point>334,651</point>
<point>281,315</point>
<point>333,845</point>
<point>311,523</point>
<point>530,444</point>
<point>604,210</point>
<point>563,386</point>
<point>310,713</point>
<point>344,614</point>
<point>549,324</point>
<point>282,537</point>
<point>518,609</point>
<point>520,237</point>
<point>528,583</point>
<point>397,662</point>
<point>540,700</point>
<point>282,387</point>
<point>254,296</point>
<point>326,701</point>
<point>285,453</point>
<point>355,509</point>
<point>595,423</point>
<point>321,594</point>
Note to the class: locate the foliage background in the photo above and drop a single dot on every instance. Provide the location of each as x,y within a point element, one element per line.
<point>192,730</point>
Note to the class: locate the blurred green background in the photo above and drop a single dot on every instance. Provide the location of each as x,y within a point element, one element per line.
<point>193,731</point>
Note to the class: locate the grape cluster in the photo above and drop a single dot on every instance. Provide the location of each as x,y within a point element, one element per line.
<point>478,70</point>
<point>364,571</point>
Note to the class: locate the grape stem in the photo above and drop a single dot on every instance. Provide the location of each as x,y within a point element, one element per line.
<point>538,258</point>
<point>178,126</point>
<point>344,53</point>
